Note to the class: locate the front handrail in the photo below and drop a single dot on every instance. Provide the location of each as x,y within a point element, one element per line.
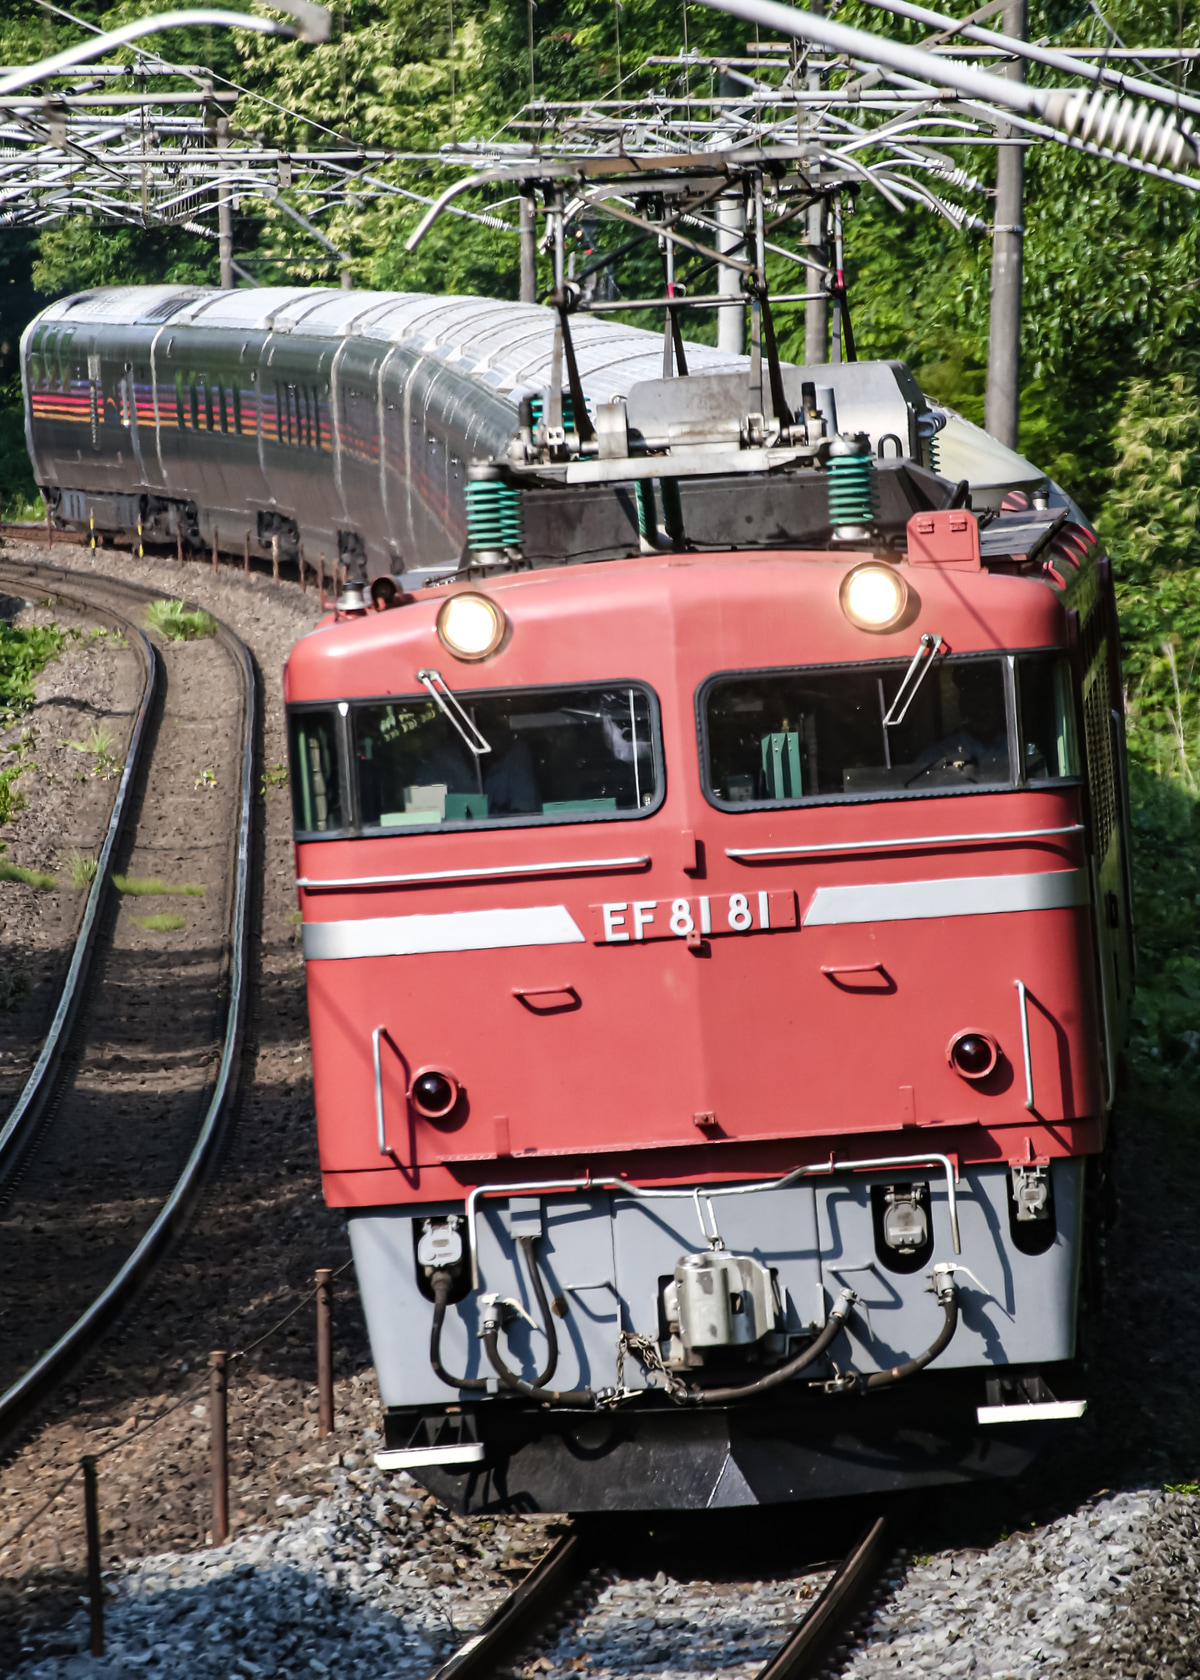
<point>494,872</point>
<point>654,1193</point>
<point>740,852</point>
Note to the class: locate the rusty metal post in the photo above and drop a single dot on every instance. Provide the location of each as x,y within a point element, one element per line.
<point>300,563</point>
<point>321,575</point>
<point>275,557</point>
<point>246,555</point>
<point>178,540</point>
<point>49,530</point>
<point>324,1352</point>
<point>218,1439</point>
<point>216,539</point>
<point>91,1517</point>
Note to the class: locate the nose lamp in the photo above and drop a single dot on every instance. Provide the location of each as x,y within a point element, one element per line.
<point>972,1054</point>
<point>873,596</point>
<point>470,625</point>
<point>434,1093</point>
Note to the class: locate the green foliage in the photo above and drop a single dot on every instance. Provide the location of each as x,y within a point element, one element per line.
<point>178,623</point>
<point>275,777</point>
<point>98,746</point>
<point>1166,846</point>
<point>23,653</point>
<point>11,799</point>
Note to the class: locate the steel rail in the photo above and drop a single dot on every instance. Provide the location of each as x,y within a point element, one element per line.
<point>22,1122</point>
<point>530,1602</point>
<point>804,1654</point>
<point>542,1591</point>
<point>25,1394</point>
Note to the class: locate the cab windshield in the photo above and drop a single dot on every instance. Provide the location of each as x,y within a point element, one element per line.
<point>775,737</point>
<point>558,755</point>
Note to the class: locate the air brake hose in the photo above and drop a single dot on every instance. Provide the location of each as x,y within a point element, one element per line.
<point>509,1379</point>
<point>948,1296</point>
<point>442,1283</point>
<point>525,1244</point>
<point>491,1342</point>
<point>782,1373</point>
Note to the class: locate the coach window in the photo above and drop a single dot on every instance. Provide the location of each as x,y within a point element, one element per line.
<point>179,399</point>
<point>37,361</point>
<point>318,806</point>
<point>1047,718</point>
<point>775,737</point>
<point>561,755</point>
<point>64,358</point>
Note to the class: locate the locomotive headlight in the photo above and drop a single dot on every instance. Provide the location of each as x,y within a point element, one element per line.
<point>470,626</point>
<point>873,596</point>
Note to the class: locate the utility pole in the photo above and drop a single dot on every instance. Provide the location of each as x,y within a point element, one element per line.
<point>224,215</point>
<point>528,239</point>
<point>1002,404</point>
<point>816,310</point>
<point>731,214</point>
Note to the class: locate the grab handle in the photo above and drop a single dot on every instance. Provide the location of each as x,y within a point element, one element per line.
<point>375,1038</point>
<point>1023,997</point>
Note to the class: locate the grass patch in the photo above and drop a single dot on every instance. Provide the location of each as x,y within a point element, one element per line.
<point>27,877</point>
<point>168,922</point>
<point>149,886</point>
<point>173,620</point>
<point>82,869</point>
<point>98,746</point>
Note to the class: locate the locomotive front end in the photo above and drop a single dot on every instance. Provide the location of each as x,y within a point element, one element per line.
<point>716,963</point>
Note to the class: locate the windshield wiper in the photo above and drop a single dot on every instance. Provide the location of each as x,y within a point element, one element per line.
<point>444,699</point>
<point>922,664</point>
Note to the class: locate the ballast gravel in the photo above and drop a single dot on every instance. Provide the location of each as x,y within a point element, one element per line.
<point>668,1628</point>
<point>1113,1589</point>
<point>344,1589</point>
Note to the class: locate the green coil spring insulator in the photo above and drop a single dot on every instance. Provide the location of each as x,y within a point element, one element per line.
<point>933,450</point>
<point>493,515</point>
<point>568,412</point>
<point>853,492</point>
<point>646,511</point>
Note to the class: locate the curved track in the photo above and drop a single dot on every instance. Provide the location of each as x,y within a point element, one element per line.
<point>34,1110</point>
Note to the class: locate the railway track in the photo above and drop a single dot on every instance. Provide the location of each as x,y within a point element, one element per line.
<point>96,1163</point>
<point>555,1618</point>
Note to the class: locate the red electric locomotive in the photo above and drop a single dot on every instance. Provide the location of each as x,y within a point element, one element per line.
<point>717,933</point>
